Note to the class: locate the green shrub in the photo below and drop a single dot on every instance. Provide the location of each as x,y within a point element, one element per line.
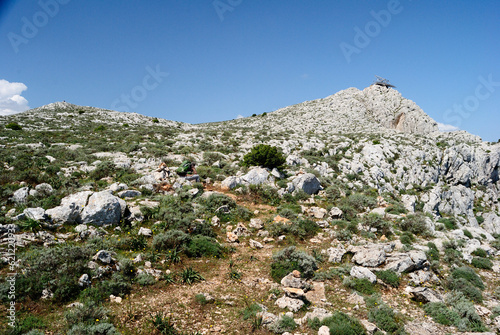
<point>449,223</point>
<point>440,313</point>
<point>479,253</point>
<point>465,287</point>
<point>172,239</point>
<point>265,194</point>
<point>88,313</point>
<point>100,128</point>
<point>383,316</point>
<point>264,155</point>
<point>201,299</point>
<point>389,277</point>
<point>289,259</point>
<point>204,246</point>
<point>468,234</point>
<point>250,311</point>
<point>190,276</point>
<point>284,324</point>
<point>469,320</point>
<point>361,285</point>
<point>452,255</point>
<point>25,324</point>
<point>433,252</point>
<point>415,224</point>
<point>13,126</point>
<point>342,324</point>
<point>163,324</point>
<point>482,263</point>
<point>103,169</point>
<point>303,229</point>
<point>359,201</point>
<point>145,279</point>
<point>378,222</point>
<point>469,275</point>
<point>101,328</point>
<point>57,269</point>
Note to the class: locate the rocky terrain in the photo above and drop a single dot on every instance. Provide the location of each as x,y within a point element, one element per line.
<point>375,223</point>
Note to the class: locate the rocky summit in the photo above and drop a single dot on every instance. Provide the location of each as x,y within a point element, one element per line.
<point>351,214</point>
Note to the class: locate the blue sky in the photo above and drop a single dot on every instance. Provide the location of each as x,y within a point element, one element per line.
<point>204,60</point>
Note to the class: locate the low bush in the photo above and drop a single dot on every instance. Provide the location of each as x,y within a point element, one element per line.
<point>342,324</point>
<point>385,318</point>
<point>190,276</point>
<point>145,279</point>
<point>452,255</point>
<point>449,223</point>
<point>204,246</point>
<point>469,275</point>
<point>469,320</point>
<point>479,253</point>
<point>361,285</point>
<point>433,252</point>
<point>415,224</point>
<point>265,194</point>
<point>284,324</point>
<point>13,126</point>
<point>377,222</point>
<point>440,313</point>
<point>482,263</point>
<point>389,277</point>
<point>289,259</point>
<point>359,201</point>
<point>23,325</point>
<point>468,234</point>
<point>302,229</point>
<point>172,239</point>
<point>465,287</point>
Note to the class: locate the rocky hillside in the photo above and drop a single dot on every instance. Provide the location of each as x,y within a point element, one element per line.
<point>375,223</point>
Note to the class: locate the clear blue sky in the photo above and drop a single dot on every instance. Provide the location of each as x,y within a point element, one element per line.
<point>226,58</point>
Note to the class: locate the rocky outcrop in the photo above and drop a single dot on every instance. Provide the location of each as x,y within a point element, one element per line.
<point>308,183</point>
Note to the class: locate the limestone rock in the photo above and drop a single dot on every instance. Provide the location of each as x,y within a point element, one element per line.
<point>363,273</point>
<point>20,196</point>
<point>292,304</point>
<point>145,231</point>
<point>254,244</point>
<point>103,208</point>
<point>335,254</point>
<point>424,294</point>
<point>257,176</point>
<point>308,183</point>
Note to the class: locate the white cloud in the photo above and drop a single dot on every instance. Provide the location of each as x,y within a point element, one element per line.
<point>447,127</point>
<point>11,101</point>
<point>240,116</point>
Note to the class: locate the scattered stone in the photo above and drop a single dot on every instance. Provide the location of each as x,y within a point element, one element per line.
<point>363,273</point>
<point>371,255</point>
<point>241,230</point>
<point>103,256</point>
<point>255,223</point>
<point>256,245</point>
<point>316,294</point>
<point>370,327</point>
<point>424,294</point>
<point>145,231</point>
<point>129,194</point>
<point>324,330</point>
<point>215,221</point>
<point>335,213</point>
<point>84,280</point>
<point>20,196</point>
<point>335,254</point>
<point>292,304</point>
<point>231,237</point>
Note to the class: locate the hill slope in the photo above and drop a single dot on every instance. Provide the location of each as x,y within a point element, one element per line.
<point>392,224</point>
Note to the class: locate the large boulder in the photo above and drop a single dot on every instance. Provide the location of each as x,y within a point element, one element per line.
<point>102,208</point>
<point>308,183</point>
<point>363,273</point>
<point>69,210</point>
<point>257,176</point>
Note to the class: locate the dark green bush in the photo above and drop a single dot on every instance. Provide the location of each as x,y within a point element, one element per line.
<point>289,259</point>
<point>361,285</point>
<point>449,223</point>
<point>359,201</point>
<point>103,169</point>
<point>452,255</point>
<point>479,253</point>
<point>264,155</point>
<point>383,316</point>
<point>482,263</point>
<point>302,229</point>
<point>469,290</point>
<point>468,233</point>
<point>190,276</point>
<point>389,277</point>
<point>433,252</point>
<point>265,194</point>
<point>13,126</point>
<point>204,246</point>
<point>23,325</point>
